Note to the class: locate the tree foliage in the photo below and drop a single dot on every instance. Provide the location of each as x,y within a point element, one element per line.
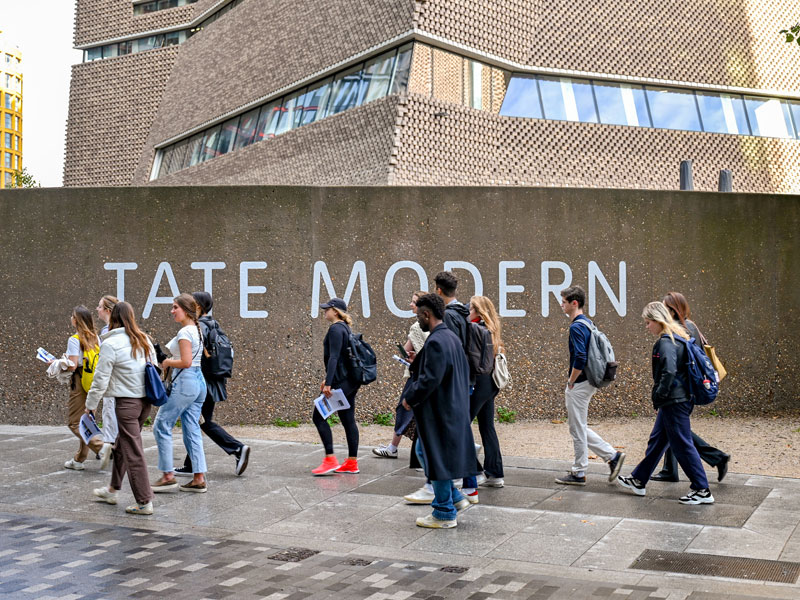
<point>792,34</point>
<point>23,179</point>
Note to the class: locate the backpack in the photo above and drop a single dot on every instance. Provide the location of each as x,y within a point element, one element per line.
<point>601,368</point>
<point>480,349</point>
<point>217,352</point>
<point>362,363</point>
<point>89,363</point>
<point>703,384</point>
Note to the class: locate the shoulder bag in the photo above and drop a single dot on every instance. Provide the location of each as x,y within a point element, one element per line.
<point>711,353</point>
<point>500,375</point>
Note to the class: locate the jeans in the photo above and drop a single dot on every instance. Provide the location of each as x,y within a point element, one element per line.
<point>184,402</point>
<point>583,438</point>
<point>673,428</point>
<point>215,432</point>
<point>445,493</point>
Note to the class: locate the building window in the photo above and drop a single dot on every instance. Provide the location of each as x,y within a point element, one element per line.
<point>16,143</point>
<point>8,163</point>
<point>8,141</point>
<point>145,8</point>
<point>769,117</point>
<point>9,121</point>
<point>352,87</point>
<point>9,179</point>
<point>19,126</point>
<point>621,104</point>
<point>9,102</point>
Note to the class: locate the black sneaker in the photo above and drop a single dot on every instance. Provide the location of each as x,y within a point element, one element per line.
<point>615,465</point>
<point>632,484</point>
<point>242,457</point>
<point>698,497</point>
<point>183,471</point>
<point>571,479</point>
<point>722,468</point>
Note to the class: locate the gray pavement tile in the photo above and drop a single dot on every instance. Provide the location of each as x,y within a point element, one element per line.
<point>724,515</point>
<point>737,542</point>
<point>782,499</point>
<point>514,497</point>
<point>536,547</point>
<point>588,527</point>
<point>582,501</point>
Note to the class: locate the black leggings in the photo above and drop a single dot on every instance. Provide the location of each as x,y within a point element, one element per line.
<point>348,419</point>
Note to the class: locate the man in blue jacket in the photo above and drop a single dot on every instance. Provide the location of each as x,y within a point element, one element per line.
<point>579,392</point>
<point>439,396</point>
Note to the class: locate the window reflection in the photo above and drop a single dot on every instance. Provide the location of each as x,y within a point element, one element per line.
<point>376,78</point>
<point>673,109</point>
<point>247,129</point>
<point>621,104</point>
<point>401,69</point>
<point>316,98</point>
<point>722,113</point>
<point>769,117</point>
<point>345,90</point>
<point>522,98</point>
<point>227,136</point>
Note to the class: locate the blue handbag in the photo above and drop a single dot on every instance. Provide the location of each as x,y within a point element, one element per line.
<point>153,386</point>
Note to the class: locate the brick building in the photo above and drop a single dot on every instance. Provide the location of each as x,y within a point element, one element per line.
<point>587,93</point>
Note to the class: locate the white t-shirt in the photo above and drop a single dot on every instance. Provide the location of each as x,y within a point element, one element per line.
<point>74,348</point>
<point>187,333</point>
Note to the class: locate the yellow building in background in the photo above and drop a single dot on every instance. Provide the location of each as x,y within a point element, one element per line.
<point>10,112</point>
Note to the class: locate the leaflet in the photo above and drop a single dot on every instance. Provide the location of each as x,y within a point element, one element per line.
<point>328,406</point>
<point>88,428</point>
<point>44,356</point>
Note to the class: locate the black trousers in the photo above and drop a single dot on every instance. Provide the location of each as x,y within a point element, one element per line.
<point>713,456</point>
<point>215,432</point>
<point>348,420</point>
<point>481,405</point>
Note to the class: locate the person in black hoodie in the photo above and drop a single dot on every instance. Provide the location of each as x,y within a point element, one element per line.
<point>671,400</point>
<point>455,313</point>
<point>336,344</point>
<point>679,309</point>
<point>216,392</point>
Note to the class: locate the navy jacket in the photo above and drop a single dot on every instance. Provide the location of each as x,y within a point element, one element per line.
<point>579,336</point>
<point>669,371</point>
<point>439,395</point>
<point>335,344</point>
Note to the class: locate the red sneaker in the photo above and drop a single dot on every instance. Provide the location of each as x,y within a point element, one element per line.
<point>348,466</point>
<point>329,465</point>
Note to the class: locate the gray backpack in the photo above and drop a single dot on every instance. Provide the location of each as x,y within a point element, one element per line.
<point>601,368</point>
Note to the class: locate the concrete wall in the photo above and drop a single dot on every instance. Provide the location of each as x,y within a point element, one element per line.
<point>734,256</point>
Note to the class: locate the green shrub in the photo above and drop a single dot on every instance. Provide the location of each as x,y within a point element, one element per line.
<point>334,420</point>
<point>383,419</point>
<point>284,423</point>
<point>506,415</point>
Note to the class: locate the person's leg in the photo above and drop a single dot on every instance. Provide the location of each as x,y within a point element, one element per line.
<point>655,449</point>
<point>443,501</point>
<point>493,459</point>
<point>679,431</point>
<point>110,428</point>
<point>713,456</point>
<point>577,403</point>
<point>76,408</point>
<point>348,420</point>
<point>669,470</point>
<point>132,413</point>
<point>324,431</point>
<point>413,461</point>
<point>125,420</point>
<point>215,432</point>
<point>165,420</point>
<point>190,426</point>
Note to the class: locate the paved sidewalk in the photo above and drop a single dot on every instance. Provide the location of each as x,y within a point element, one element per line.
<point>279,533</point>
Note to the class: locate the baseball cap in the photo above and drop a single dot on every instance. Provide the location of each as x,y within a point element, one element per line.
<point>335,303</point>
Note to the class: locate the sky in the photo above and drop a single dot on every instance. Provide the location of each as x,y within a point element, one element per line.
<point>42,29</point>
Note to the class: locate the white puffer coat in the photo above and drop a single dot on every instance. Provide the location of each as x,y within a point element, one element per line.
<point>117,373</point>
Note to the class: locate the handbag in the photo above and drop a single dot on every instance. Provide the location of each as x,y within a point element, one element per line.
<point>153,386</point>
<point>500,374</point>
<point>711,353</point>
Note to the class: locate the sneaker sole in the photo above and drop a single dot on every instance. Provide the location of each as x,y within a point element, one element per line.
<point>194,490</point>
<point>240,469</point>
<point>328,472</point>
<point>75,468</point>
<point>699,501</point>
<point>99,498</point>
<point>617,469</point>
<point>164,489</point>
<point>379,455</point>
<point>138,512</point>
<point>637,491</point>
<point>410,500</point>
<point>356,472</point>
<point>580,483</point>
<point>442,525</point>
<point>492,485</point>
<point>472,500</point>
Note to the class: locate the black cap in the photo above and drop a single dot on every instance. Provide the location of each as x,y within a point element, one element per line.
<point>335,303</point>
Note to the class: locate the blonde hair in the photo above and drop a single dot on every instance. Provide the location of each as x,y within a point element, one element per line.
<point>343,316</point>
<point>84,327</point>
<point>109,302</point>
<point>486,311</point>
<point>658,312</point>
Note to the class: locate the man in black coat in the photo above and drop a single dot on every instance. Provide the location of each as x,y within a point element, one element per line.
<point>439,396</point>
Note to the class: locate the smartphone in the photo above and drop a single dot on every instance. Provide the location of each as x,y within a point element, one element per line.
<point>402,351</point>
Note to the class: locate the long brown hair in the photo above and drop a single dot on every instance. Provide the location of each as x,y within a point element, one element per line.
<point>84,327</point>
<point>189,305</point>
<point>676,302</point>
<point>122,316</point>
<point>486,311</point>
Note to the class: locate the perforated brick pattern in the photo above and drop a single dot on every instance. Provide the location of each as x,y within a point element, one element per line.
<point>112,105</point>
<point>440,143</point>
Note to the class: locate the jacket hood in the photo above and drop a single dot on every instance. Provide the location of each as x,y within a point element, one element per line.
<point>112,332</point>
<point>459,308</point>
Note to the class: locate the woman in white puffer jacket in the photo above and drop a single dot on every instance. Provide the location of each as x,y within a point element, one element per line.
<point>120,373</point>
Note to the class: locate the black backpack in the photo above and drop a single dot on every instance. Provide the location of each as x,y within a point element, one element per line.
<point>217,352</point>
<point>362,363</point>
<point>480,349</point>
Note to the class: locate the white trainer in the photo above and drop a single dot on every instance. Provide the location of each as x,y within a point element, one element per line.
<point>74,465</point>
<point>140,509</point>
<point>105,456</point>
<point>421,496</point>
<point>106,495</point>
<point>495,482</point>
<point>481,478</point>
<point>432,522</point>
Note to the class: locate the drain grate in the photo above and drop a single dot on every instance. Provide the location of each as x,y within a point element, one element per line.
<point>453,569</point>
<point>293,554</point>
<point>754,569</point>
<point>357,562</point>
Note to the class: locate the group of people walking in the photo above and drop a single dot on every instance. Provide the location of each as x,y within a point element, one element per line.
<point>116,360</point>
<point>447,386</point>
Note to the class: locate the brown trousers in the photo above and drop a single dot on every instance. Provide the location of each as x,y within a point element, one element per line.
<point>77,406</point>
<point>128,449</point>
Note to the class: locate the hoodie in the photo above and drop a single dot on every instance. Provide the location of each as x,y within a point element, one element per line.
<point>455,317</point>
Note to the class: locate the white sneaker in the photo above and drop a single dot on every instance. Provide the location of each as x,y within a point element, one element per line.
<point>106,495</point>
<point>140,509</point>
<point>384,452</point>
<point>481,477</point>
<point>421,496</point>
<point>74,465</point>
<point>495,482</point>
<point>432,522</point>
<point>105,456</point>
<point>458,483</point>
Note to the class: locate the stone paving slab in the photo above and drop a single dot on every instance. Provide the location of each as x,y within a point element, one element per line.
<point>551,541</point>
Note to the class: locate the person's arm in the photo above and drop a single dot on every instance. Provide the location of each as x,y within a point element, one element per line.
<point>667,367</point>
<point>579,338</point>
<point>185,361</point>
<point>74,353</point>
<point>102,376</point>
<point>430,375</point>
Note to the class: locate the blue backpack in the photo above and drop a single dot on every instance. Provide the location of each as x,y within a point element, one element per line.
<point>703,384</point>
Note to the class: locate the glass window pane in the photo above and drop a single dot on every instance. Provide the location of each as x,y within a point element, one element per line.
<point>268,120</point>
<point>194,150</point>
<point>8,160</point>
<point>795,108</point>
<point>345,90</point>
<point>582,98</point>
<point>722,113</point>
<point>227,136</point>
<point>247,129</point>
<point>315,100</point>
<point>178,156</point>
<point>8,141</point>
<point>166,159</point>
<point>110,51</point>
<point>93,53</point>
<point>673,109</point>
<point>210,141</point>
<point>8,121</point>
<point>287,117</point>
<point>621,104</point>
<point>552,98</point>
<point>125,48</point>
<point>376,77</point>
<point>769,117</point>
<point>522,98</point>
<point>402,66</point>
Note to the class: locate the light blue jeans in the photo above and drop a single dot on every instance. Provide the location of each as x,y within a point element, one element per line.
<point>184,402</point>
<point>445,493</point>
